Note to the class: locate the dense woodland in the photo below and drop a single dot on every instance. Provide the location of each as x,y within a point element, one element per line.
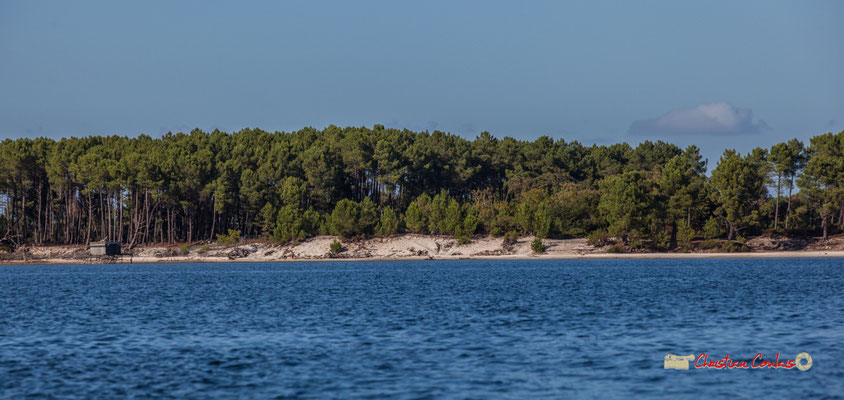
<point>357,182</point>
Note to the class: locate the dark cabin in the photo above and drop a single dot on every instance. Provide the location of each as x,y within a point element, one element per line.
<point>105,248</point>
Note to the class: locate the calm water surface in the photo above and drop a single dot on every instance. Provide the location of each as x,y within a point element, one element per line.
<point>434,329</point>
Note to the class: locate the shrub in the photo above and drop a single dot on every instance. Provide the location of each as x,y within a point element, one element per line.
<point>267,217</point>
<point>470,221</point>
<point>735,247</point>
<point>537,246</point>
<point>368,216</point>
<point>232,238</point>
<point>599,238</point>
<point>461,239</point>
<point>336,247</point>
<point>202,250</point>
<point>416,216</point>
<point>524,217</point>
<point>510,239</point>
<point>287,224</point>
<point>663,240</point>
<point>710,244</point>
<point>685,234</point>
<point>617,248</point>
<point>389,224</point>
<point>344,218</point>
<point>184,249</point>
<point>636,244</point>
<point>532,217</point>
<point>294,225</point>
<point>452,223</point>
<point>712,229</point>
<point>350,219</point>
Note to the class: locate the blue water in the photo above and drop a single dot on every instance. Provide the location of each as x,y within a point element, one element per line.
<point>430,329</point>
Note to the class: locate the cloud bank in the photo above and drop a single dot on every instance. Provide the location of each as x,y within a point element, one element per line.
<point>705,119</point>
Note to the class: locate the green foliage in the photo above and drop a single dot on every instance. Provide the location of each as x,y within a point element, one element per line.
<point>685,234</point>
<point>417,214</point>
<point>470,221</point>
<point>682,183</point>
<point>536,246</point>
<point>368,217</point>
<point>351,219</point>
<point>626,203</point>
<point>4,231</point>
<point>389,223</point>
<point>510,239</point>
<point>573,210</point>
<point>267,217</point>
<point>738,183</point>
<point>230,239</point>
<point>787,158</point>
<point>446,215</point>
<point>710,244</point>
<point>437,221</point>
<point>288,186</point>
<point>336,247</point>
<point>823,179</point>
<point>731,246</point>
<point>203,250</point>
<point>801,215</point>
<point>344,219</point>
<point>616,249</point>
<point>712,229</point>
<point>294,225</point>
<point>532,213</point>
<point>636,243</point>
<point>287,225</point>
<point>542,221</point>
<point>293,192</point>
<point>184,249</point>
<point>453,222</point>
<point>663,240</point>
<point>599,238</point>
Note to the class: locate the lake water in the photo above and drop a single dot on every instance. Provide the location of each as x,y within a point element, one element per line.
<point>430,329</point>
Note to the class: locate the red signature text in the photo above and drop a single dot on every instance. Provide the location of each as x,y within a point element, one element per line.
<point>703,361</point>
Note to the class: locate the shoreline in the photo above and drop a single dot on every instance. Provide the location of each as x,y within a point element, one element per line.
<point>413,248</point>
<point>628,256</point>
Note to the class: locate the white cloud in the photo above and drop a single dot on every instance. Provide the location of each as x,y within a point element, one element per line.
<point>706,119</point>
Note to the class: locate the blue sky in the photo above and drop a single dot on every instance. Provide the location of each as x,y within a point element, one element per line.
<point>718,74</point>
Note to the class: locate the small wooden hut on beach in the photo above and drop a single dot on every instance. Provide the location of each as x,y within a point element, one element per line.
<point>108,251</point>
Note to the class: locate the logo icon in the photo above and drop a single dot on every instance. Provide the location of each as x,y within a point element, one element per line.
<point>798,361</point>
<point>680,362</point>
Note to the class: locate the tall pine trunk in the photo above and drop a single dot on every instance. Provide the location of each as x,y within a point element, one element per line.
<point>777,207</point>
<point>38,234</point>
<point>90,217</point>
<point>825,227</point>
<point>788,210</point>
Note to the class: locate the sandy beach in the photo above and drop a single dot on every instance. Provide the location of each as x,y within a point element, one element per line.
<point>411,247</point>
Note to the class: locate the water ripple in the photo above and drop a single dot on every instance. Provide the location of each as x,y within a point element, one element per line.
<point>466,329</point>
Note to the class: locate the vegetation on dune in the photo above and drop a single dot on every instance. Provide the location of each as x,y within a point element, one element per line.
<point>536,246</point>
<point>336,247</point>
<point>357,182</point>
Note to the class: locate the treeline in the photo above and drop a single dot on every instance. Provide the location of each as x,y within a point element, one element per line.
<point>357,182</point>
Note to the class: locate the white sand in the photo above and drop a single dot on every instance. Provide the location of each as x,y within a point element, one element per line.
<point>415,247</point>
